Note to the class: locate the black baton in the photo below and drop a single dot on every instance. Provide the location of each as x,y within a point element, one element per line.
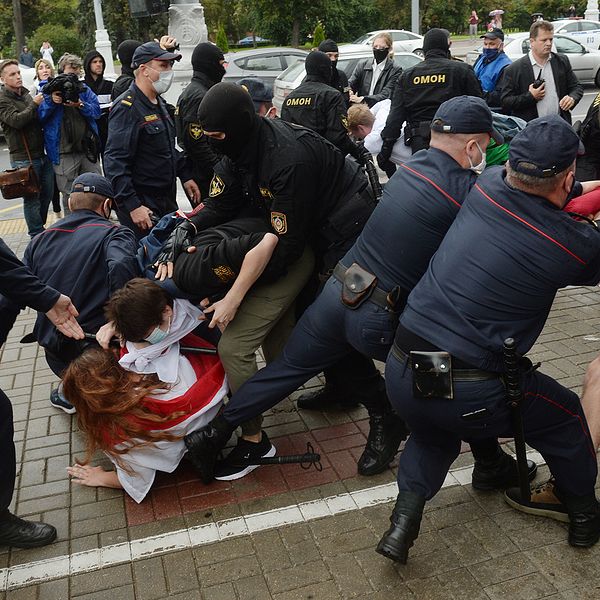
<point>514,396</point>
<point>373,179</point>
<point>306,460</point>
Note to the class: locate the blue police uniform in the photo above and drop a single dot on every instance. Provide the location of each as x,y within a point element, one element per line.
<point>22,288</point>
<point>86,257</point>
<point>418,206</point>
<point>494,276</point>
<point>140,157</point>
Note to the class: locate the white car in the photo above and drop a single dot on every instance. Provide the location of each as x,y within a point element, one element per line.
<point>404,41</point>
<point>584,62</point>
<point>584,31</point>
<point>350,54</point>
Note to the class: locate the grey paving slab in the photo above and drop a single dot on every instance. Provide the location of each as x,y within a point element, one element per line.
<point>472,546</point>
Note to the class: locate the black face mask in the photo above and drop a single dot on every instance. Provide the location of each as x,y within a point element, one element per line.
<point>380,54</point>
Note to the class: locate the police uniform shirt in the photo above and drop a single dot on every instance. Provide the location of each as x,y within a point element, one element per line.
<point>497,271</point>
<point>220,252</point>
<point>294,185</point>
<point>418,206</point>
<point>321,108</point>
<point>421,89</point>
<point>86,257</point>
<point>140,152</point>
<point>189,131</point>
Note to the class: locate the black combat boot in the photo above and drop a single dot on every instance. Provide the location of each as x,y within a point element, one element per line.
<point>19,533</point>
<point>205,444</point>
<point>406,521</point>
<point>325,398</point>
<point>497,471</point>
<point>584,519</point>
<point>386,431</point>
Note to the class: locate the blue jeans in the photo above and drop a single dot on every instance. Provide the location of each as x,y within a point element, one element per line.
<point>35,208</point>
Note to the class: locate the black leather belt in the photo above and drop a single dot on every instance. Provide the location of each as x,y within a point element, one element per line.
<point>378,296</point>
<point>457,374</point>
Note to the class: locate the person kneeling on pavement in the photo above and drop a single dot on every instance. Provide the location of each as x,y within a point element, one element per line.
<point>138,407</point>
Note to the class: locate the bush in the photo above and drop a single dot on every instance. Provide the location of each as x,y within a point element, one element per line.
<point>222,39</point>
<point>318,35</point>
<point>60,38</point>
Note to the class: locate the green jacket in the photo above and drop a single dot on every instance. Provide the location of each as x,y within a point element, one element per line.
<point>18,115</point>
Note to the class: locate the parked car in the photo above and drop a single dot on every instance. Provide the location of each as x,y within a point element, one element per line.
<point>584,31</point>
<point>584,62</point>
<point>249,41</point>
<point>266,63</point>
<point>349,56</point>
<point>404,41</point>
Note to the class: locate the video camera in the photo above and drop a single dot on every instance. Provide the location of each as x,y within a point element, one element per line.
<point>67,85</point>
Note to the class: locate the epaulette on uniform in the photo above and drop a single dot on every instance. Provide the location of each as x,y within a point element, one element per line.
<point>127,101</point>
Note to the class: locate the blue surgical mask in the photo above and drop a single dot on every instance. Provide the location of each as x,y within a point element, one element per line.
<point>158,335</point>
<point>490,53</point>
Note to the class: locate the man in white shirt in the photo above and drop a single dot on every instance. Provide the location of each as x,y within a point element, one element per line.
<point>367,124</point>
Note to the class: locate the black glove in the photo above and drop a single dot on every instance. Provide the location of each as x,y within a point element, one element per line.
<point>362,155</point>
<point>179,241</point>
<point>383,158</point>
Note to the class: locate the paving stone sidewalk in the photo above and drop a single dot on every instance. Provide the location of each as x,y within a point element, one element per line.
<point>471,544</point>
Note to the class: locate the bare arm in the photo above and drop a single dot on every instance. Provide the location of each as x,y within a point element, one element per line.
<point>253,265</point>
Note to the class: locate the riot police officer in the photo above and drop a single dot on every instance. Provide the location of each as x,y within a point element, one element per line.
<point>208,68</point>
<point>359,306</point>
<point>339,79</point>
<point>419,92</point>
<point>316,105</point>
<point>310,195</point>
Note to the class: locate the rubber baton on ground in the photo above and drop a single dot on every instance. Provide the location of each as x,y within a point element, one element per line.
<point>514,396</point>
<point>306,460</point>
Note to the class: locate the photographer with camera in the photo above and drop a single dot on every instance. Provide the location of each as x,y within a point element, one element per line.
<point>68,114</point>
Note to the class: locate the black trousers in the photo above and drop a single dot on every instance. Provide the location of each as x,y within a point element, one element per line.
<point>8,465</point>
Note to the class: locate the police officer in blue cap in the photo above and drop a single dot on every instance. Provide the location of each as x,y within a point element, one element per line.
<point>359,306</point>
<point>495,276</point>
<point>140,158</point>
<point>87,257</point>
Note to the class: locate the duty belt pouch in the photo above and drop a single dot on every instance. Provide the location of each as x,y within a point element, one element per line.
<point>407,134</point>
<point>432,374</point>
<point>357,286</point>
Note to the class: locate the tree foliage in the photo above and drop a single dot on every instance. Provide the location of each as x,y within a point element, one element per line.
<point>222,39</point>
<point>283,21</point>
<point>318,35</point>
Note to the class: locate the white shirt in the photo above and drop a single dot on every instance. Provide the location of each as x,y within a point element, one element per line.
<point>373,142</point>
<point>47,54</point>
<point>377,70</point>
<point>548,105</point>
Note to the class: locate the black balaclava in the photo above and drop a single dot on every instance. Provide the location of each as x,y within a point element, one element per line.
<point>205,59</point>
<point>435,43</point>
<point>228,107</point>
<point>318,67</point>
<point>329,46</point>
<point>125,53</point>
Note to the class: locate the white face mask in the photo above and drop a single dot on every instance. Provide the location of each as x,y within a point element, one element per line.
<point>479,167</point>
<point>163,83</point>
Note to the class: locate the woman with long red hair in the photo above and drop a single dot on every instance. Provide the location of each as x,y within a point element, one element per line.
<point>137,408</point>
